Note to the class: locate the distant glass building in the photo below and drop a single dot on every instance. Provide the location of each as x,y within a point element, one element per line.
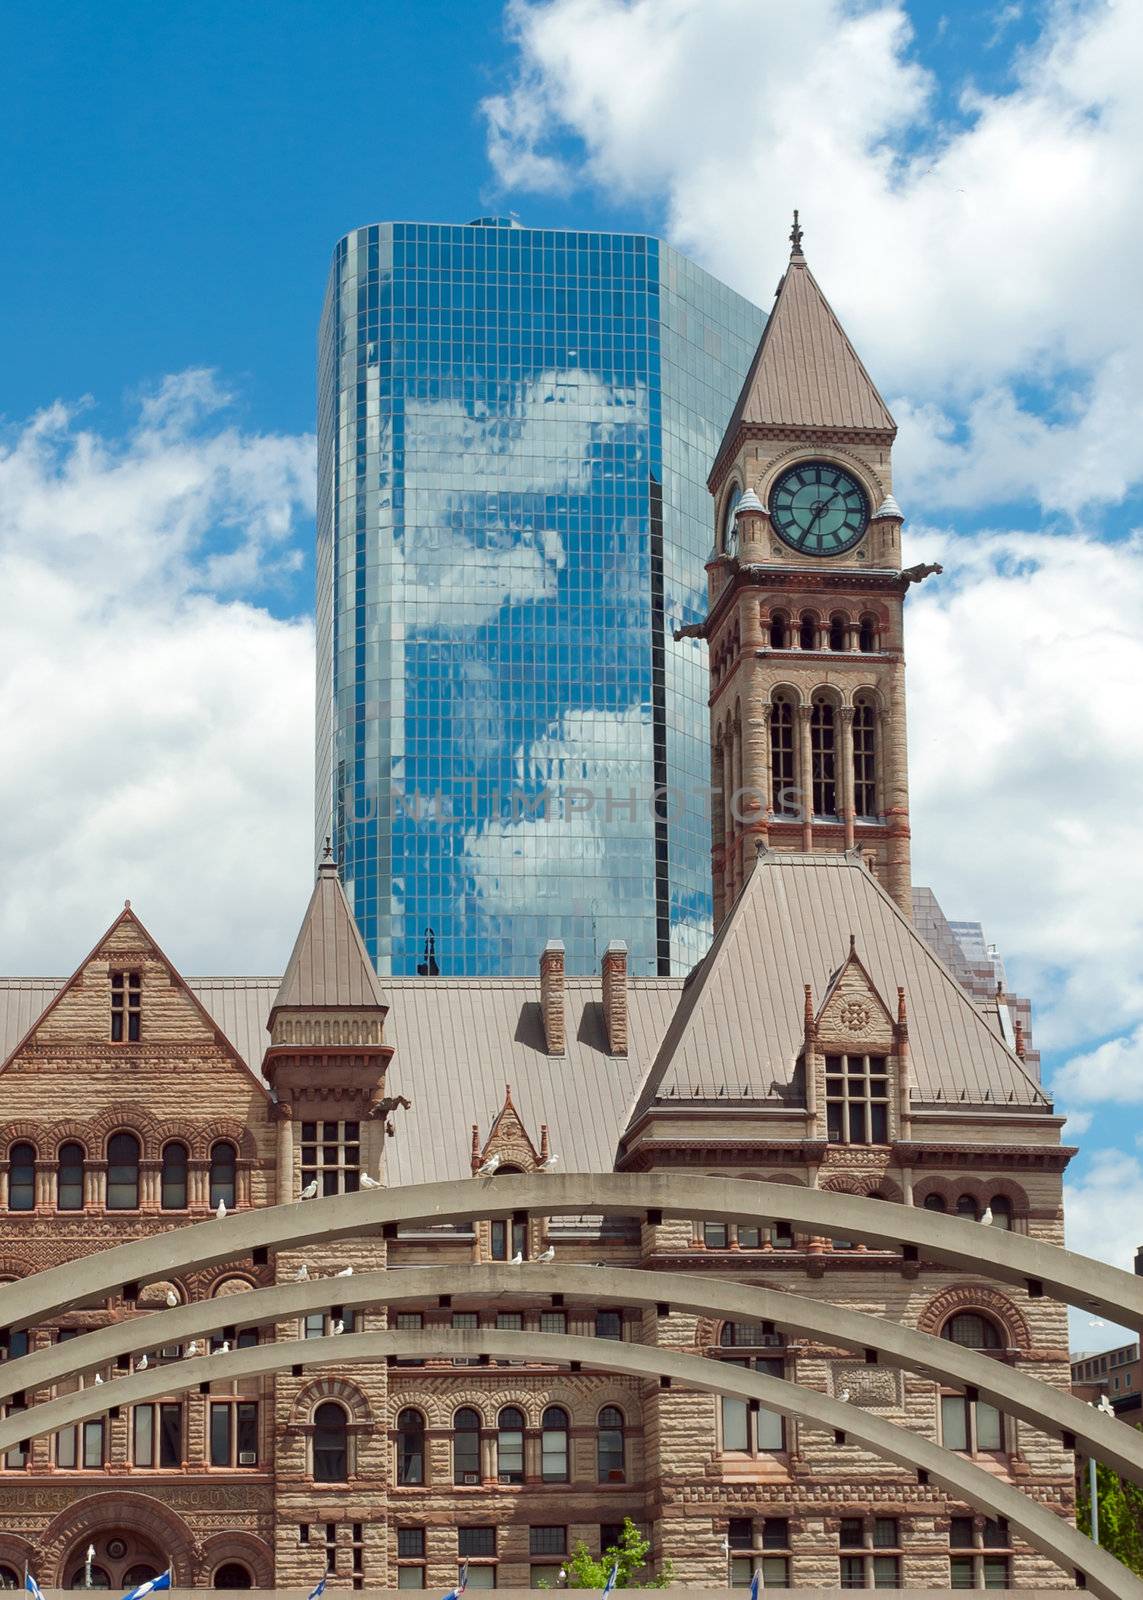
<point>515,427</point>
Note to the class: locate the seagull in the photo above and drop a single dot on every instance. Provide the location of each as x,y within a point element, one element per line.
<point>338,1327</point>
<point>141,1364</point>
<point>369,1183</point>
<point>547,1255</point>
<point>487,1168</point>
<point>346,1272</point>
<point>986,1217</point>
<point>192,1348</point>
<point>844,1396</point>
<point>310,1190</point>
<point>172,1298</point>
<point>98,1379</point>
<point>220,1210</point>
<point>224,1348</point>
<point>517,1260</point>
<point>1106,1406</point>
<point>549,1164</point>
<point>303,1273</point>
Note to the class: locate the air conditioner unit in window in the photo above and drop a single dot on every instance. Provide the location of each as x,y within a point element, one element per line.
<point>248,1458</point>
<point>472,1477</point>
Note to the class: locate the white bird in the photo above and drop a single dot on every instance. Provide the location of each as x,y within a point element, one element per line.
<point>98,1379</point>
<point>369,1183</point>
<point>310,1190</point>
<point>487,1168</point>
<point>346,1272</point>
<point>172,1298</point>
<point>986,1216</point>
<point>220,1210</point>
<point>224,1348</point>
<point>547,1255</point>
<point>549,1164</point>
<point>141,1364</point>
<point>517,1260</point>
<point>1106,1406</point>
<point>303,1273</point>
<point>338,1327</point>
<point>844,1396</point>
<point>192,1348</point>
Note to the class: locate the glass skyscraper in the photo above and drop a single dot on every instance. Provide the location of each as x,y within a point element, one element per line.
<point>515,427</point>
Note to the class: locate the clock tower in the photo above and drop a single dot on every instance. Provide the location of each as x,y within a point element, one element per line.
<point>805,602</point>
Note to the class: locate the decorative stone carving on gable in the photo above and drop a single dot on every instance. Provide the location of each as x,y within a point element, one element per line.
<point>853,1016</point>
<point>872,1388</point>
<point>509,1139</point>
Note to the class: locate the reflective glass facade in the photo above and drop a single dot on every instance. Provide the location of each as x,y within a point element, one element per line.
<point>515,427</point>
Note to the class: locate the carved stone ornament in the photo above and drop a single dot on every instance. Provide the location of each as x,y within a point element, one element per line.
<point>872,1388</point>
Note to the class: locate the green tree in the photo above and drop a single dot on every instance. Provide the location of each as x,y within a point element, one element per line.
<point>585,1572</point>
<point>1120,1515</point>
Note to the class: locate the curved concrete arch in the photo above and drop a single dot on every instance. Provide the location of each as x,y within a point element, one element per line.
<point>1052,1411</point>
<point>1048,1533</point>
<point>951,1241</point>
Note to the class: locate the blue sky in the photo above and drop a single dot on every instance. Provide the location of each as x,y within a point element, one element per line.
<point>172,181</point>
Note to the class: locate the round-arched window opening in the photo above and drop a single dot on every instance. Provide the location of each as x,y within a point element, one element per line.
<point>807,632</point>
<point>554,1445</point>
<point>779,631</point>
<point>331,1443</point>
<point>837,632</point>
<point>9,1579</point>
<point>410,1447</point>
<point>141,1572</point>
<point>729,529</point>
<point>973,1331</point>
<point>966,1207</point>
<point>99,1579</point>
<point>1001,1208</point>
<point>510,1445</point>
<point>231,1575</point>
<point>22,1178</point>
<point>935,1202</point>
<point>867,635</point>
<point>123,1172</point>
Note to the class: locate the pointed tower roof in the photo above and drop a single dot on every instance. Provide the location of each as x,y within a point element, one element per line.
<point>805,373</point>
<point>330,966</point>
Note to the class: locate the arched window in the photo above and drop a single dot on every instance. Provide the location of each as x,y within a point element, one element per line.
<point>935,1202</point>
<point>554,1445</point>
<point>1001,1212</point>
<point>123,1172</point>
<point>966,1207</point>
<point>823,756</point>
<point>410,1447</point>
<point>69,1178</point>
<point>331,1443</point>
<point>141,1572</point>
<point>838,628</point>
<point>99,1578</point>
<point>864,757</point>
<point>230,1575</point>
<point>782,767</point>
<point>466,1446</point>
<point>9,1579</point>
<point>510,1445</point>
<point>22,1178</point>
<point>779,631</point>
<point>867,635</point>
<point>610,1447</point>
<point>729,531</point>
<point>974,1331</point>
<point>223,1169</point>
<point>808,632</point>
<point>174,1177</point>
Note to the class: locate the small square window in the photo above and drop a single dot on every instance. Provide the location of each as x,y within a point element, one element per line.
<point>885,1533</point>
<point>609,1324</point>
<point>851,1534</point>
<point>776,1533</point>
<point>476,1541</point>
<point>740,1533</point>
<point>411,1542</point>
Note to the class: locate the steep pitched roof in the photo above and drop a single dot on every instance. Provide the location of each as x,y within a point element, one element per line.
<point>805,373</point>
<point>330,965</point>
<point>738,1030</point>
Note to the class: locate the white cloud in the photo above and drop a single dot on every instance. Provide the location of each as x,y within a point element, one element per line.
<point>157,727</point>
<point>1112,1071</point>
<point>1103,1206</point>
<point>1026,762</point>
<point>969,260</point>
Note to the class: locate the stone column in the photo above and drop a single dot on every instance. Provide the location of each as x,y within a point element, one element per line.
<point>284,1117</point>
<point>738,807</point>
<point>805,764</point>
<point>45,1171</point>
<point>717,835</point>
<point>845,757</point>
<point>728,816</point>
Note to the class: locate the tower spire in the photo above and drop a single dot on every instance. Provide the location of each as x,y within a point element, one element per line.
<point>796,252</point>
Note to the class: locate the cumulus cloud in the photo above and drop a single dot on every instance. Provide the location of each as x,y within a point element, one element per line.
<point>1102,1206</point>
<point>980,262</point>
<point>157,726</point>
<point>1112,1071</point>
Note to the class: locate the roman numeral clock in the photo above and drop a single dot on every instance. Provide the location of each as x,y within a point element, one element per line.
<point>818,510</point>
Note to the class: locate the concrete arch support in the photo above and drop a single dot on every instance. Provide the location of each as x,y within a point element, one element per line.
<point>1092,1567</point>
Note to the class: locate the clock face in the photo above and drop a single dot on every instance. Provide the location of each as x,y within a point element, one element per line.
<point>729,526</point>
<point>818,509</point>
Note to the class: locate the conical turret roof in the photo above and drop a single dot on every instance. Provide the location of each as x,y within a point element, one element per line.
<point>805,373</point>
<point>330,965</point>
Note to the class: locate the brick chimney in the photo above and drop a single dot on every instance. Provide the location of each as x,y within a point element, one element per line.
<point>615,997</point>
<point>552,996</point>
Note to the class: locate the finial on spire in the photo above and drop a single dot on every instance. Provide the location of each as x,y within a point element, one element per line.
<point>796,236</point>
<point>327,853</point>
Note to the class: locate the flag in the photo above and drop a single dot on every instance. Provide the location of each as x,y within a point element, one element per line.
<point>32,1586</point>
<point>461,1584</point>
<point>755,1583</point>
<point>163,1581</point>
<point>612,1579</point>
<point>315,1594</point>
